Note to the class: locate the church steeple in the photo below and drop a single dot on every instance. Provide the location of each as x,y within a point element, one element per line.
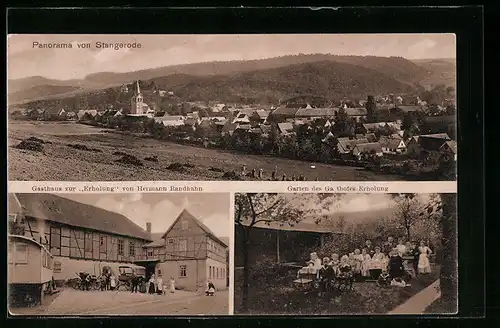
<point>138,88</point>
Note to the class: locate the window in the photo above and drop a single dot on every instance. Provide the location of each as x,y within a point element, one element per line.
<point>55,237</point>
<point>88,242</point>
<point>103,244</point>
<point>183,270</point>
<point>12,217</point>
<point>184,225</point>
<point>101,241</point>
<point>11,252</point>
<point>131,248</point>
<point>57,267</point>
<point>183,245</point>
<point>21,254</point>
<point>120,247</point>
<point>209,271</point>
<point>170,241</point>
<point>217,273</point>
<point>150,252</point>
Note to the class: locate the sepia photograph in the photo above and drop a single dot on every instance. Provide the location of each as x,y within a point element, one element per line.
<point>273,107</point>
<point>118,254</point>
<point>345,254</point>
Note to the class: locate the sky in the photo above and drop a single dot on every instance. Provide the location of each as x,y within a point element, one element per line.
<point>213,209</point>
<point>164,50</point>
<point>349,203</point>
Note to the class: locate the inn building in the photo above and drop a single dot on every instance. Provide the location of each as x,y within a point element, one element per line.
<point>85,238</point>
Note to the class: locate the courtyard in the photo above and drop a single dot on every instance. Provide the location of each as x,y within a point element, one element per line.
<point>96,303</point>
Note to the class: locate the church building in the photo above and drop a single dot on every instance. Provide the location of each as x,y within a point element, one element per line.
<point>137,105</point>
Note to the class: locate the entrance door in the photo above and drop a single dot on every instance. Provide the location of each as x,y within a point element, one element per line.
<point>150,269</point>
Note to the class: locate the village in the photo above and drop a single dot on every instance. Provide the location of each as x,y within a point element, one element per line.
<point>386,133</point>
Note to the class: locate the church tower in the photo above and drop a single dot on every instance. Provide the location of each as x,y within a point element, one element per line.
<point>137,102</point>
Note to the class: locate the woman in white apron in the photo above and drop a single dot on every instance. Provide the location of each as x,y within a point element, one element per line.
<point>424,265</point>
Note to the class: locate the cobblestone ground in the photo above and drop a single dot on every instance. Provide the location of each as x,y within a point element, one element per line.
<point>73,302</point>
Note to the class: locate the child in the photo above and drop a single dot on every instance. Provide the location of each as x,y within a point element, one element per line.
<point>307,269</point>
<point>396,268</point>
<point>424,265</point>
<point>401,247</point>
<point>366,263</point>
<point>358,261</point>
<point>383,279</point>
<point>316,260</point>
<point>210,288</point>
<point>334,262</point>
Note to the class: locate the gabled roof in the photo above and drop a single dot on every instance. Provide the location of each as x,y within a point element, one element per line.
<point>168,117</point>
<point>285,111</point>
<point>185,214</point>
<point>367,147</point>
<point>360,111</point>
<point>391,143</point>
<point>301,226</point>
<point>262,113</point>
<point>348,144</point>
<point>452,145</point>
<point>436,136</point>
<point>371,137</point>
<point>66,211</point>
<point>228,127</point>
<point>285,127</point>
<point>408,109</point>
<point>316,112</point>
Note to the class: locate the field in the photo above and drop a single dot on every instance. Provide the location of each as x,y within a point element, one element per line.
<point>59,162</point>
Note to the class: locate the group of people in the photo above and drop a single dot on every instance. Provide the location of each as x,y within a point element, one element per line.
<point>259,174</point>
<point>371,261</point>
<point>155,285</point>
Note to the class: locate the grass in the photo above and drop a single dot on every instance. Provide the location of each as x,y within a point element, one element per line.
<point>439,306</point>
<point>62,163</point>
<point>366,298</point>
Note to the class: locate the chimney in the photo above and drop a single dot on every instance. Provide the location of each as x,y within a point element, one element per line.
<point>148,227</point>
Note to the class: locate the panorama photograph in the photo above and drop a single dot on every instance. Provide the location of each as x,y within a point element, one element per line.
<point>118,254</point>
<point>274,107</point>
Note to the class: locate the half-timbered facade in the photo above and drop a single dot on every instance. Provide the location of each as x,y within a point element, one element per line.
<point>190,253</point>
<point>81,237</point>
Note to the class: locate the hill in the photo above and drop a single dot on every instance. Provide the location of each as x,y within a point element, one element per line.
<point>332,80</point>
<point>397,68</point>
<point>438,71</point>
<point>39,91</point>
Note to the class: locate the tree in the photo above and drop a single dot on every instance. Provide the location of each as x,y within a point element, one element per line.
<point>265,208</point>
<point>407,213</point>
<point>447,204</point>
<point>371,109</point>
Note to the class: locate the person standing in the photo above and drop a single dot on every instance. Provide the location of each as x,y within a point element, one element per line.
<point>172,285</point>
<point>159,285</point>
<point>151,285</point>
<point>401,247</point>
<point>134,281</point>
<point>424,265</point>
<point>112,282</point>
<point>369,248</point>
<point>388,246</point>
<point>415,253</point>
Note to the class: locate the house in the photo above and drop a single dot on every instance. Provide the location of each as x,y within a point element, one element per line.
<point>357,113</point>
<point>282,113</point>
<point>243,116</point>
<point>190,253</point>
<point>285,128</point>
<point>71,116</point>
<point>346,145</point>
<point>428,144</point>
<point>124,88</point>
<point>170,120</point>
<point>367,148</point>
<point>260,116</point>
<point>440,124</point>
<point>228,128</point>
<point>278,242</point>
<point>449,148</point>
<point>392,145</point>
<point>373,127</point>
<point>413,146</point>
<point>313,113</point>
<point>81,237</point>
<point>371,137</point>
